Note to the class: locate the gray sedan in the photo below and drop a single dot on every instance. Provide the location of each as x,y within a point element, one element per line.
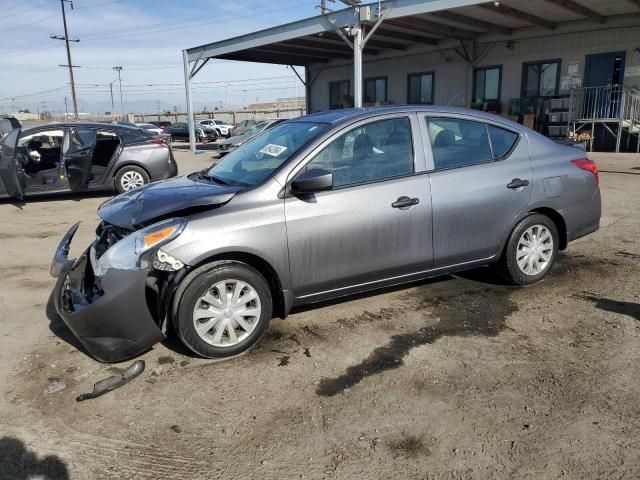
<point>323,206</point>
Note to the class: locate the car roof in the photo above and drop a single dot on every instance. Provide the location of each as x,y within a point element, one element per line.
<point>351,114</point>
<point>82,124</point>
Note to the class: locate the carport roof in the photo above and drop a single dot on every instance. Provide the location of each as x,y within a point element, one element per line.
<point>407,23</point>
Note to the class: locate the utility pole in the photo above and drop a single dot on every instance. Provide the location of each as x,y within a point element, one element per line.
<point>69,64</point>
<point>118,69</point>
<point>66,110</point>
<point>112,105</point>
<point>226,96</point>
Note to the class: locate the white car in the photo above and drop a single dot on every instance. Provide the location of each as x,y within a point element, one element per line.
<point>223,128</point>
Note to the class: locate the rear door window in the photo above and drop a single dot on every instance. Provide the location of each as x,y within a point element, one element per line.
<point>457,142</point>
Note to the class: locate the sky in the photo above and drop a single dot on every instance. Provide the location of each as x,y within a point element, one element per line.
<point>146,38</point>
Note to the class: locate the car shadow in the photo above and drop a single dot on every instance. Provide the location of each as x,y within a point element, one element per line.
<point>482,275</point>
<point>19,463</point>
<point>629,309</point>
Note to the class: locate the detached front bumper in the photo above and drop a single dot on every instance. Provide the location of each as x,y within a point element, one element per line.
<point>109,315</point>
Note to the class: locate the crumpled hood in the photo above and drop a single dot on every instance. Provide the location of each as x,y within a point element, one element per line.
<point>139,206</point>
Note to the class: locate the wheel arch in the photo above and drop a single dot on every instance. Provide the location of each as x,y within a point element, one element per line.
<point>118,167</point>
<point>281,304</point>
<point>553,214</point>
<point>557,218</point>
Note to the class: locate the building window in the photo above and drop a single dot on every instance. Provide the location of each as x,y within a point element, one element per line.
<point>540,79</point>
<point>487,83</point>
<point>375,90</point>
<point>420,88</point>
<point>339,96</point>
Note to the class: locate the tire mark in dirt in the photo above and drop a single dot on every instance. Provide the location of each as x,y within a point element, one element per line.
<point>462,312</point>
<point>464,307</point>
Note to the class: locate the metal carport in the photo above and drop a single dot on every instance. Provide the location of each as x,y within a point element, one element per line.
<point>375,29</point>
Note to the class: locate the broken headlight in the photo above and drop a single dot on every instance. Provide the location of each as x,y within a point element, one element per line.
<point>129,253</point>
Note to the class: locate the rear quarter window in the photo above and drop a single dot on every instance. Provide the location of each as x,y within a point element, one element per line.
<point>502,141</point>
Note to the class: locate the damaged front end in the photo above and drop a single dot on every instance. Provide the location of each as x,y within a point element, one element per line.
<point>114,296</point>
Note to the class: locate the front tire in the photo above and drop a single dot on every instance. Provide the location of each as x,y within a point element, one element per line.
<point>530,251</point>
<point>224,309</point>
<point>130,177</point>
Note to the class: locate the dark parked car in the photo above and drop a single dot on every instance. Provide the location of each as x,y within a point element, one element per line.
<point>81,156</point>
<point>180,131</point>
<point>318,207</point>
<point>7,124</point>
<point>161,123</point>
<point>242,126</point>
<point>234,142</point>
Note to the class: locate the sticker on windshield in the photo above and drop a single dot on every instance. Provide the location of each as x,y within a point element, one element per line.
<point>273,150</point>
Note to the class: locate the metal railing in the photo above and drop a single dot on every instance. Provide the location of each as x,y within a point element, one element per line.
<point>610,102</point>
<point>604,105</point>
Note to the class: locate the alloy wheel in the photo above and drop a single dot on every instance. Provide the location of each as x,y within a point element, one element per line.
<point>131,180</point>
<point>227,313</point>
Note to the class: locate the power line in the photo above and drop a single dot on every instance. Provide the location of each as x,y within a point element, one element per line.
<point>29,24</point>
<point>162,28</point>
<point>23,11</point>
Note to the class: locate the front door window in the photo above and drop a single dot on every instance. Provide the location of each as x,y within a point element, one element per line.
<point>40,154</point>
<point>372,152</point>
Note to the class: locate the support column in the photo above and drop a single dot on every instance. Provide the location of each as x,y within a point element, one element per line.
<point>190,118</point>
<point>357,64</point>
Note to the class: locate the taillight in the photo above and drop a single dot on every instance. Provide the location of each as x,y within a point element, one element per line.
<point>159,141</point>
<point>588,165</point>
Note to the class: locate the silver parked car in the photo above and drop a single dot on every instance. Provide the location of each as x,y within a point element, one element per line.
<point>322,206</point>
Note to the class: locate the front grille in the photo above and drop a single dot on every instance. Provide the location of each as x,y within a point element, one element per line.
<point>108,235</point>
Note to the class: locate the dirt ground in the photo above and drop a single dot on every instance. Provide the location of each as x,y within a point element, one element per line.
<point>458,377</point>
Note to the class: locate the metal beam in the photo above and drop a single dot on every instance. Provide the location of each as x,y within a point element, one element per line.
<point>314,47</point>
<point>326,45</point>
<point>279,59</point>
<point>334,41</point>
<point>472,22</point>
<point>187,87</point>
<point>383,44</point>
<point>318,24</point>
<point>287,51</point>
<point>421,25</point>
<point>502,9</point>
<point>357,65</point>
<point>579,9</point>
<point>387,32</point>
<point>289,31</point>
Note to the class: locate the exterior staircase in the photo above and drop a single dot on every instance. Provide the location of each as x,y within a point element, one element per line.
<point>616,107</point>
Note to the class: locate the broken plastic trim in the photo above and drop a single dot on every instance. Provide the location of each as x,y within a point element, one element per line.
<point>116,381</point>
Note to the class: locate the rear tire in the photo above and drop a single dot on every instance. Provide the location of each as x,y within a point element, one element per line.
<point>531,250</point>
<point>224,309</point>
<point>130,177</point>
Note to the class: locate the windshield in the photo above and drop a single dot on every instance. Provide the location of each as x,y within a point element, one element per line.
<point>257,159</point>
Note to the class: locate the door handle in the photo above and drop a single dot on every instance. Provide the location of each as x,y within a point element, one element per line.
<point>405,202</point>
<point>517,183</point>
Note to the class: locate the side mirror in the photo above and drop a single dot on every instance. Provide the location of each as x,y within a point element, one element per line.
<point>315,180</point>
